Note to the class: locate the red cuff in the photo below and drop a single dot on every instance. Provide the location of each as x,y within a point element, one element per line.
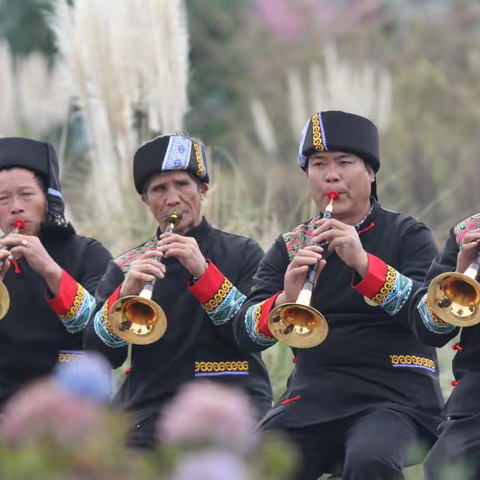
<point>266,308</point>
<point>375,278</point>
<point>208,284</point>
<point>113,297</point>
<point>63,302</point>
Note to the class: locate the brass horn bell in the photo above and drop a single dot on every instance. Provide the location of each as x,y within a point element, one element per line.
<point>298,324</point>
<point>138,319</point>
<point>4,300</point>
<point>455,297</point>
<point>19,224</point>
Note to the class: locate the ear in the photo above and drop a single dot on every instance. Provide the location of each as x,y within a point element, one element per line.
<point>145,200</point>
<point>371,173</point>
<point>204,190</point>
<point>307,170</point>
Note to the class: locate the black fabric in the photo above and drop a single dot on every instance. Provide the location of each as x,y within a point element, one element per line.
<point>346,132</point>
<point>149,158</point>
<point>40,158</point>
<point>159,369</point>
<point>456,453</point>
<point>376,444</point>
<point>352,370</point>
<point>465,398</point>
<point>31,333</point>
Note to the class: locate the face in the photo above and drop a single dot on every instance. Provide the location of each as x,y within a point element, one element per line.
<point>345,173</point>
<point>21,197</point>
<point>176,190</point>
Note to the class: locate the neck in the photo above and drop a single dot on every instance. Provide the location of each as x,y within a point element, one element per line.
<point>184,230</point>
<point>353,217</point>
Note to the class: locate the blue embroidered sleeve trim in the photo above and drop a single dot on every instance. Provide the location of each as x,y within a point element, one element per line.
<point>433,323</point>
<point>101,325</point>
<point>225,303</point>
<point>399,294</point>
<point>252,319</point>
<point>77,319</point>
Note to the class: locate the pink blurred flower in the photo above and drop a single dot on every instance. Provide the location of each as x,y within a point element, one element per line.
<point>208,412</point>
<point>288,19</point>
<point>42,409</point>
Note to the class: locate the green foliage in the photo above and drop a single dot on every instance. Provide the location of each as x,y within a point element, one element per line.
<point>20,16</point>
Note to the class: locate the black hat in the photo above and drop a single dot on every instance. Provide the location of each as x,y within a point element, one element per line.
<point>342,132</point>
<point>171,152</point>
<point>40,158</point>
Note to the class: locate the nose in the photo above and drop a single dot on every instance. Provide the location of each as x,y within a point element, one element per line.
<point>333,175</point>
<point>16,206</point>
<point>173,198</point>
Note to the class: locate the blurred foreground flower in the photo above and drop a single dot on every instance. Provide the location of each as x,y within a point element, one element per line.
<point>208,433</point>
<point>61,427</point>
<point>206,413</point>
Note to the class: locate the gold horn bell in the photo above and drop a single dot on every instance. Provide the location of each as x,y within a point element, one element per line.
<point>298,324</point>
<point>19,224</point>
<point>4,300</point>
<point>455,297</point>
<point>138,319</point>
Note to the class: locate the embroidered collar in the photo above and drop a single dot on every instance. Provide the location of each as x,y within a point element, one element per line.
<point>361,223</point>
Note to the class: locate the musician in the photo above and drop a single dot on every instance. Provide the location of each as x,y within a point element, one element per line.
<point>202,281</point>
<point>370,390</point>
<point>52,277</point>
<point>459,440</point>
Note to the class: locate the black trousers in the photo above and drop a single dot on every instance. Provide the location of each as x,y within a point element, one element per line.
<point>375,445</point>
<point>457,452</point>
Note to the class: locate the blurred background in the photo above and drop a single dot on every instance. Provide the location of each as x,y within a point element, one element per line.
<point>98,77</point>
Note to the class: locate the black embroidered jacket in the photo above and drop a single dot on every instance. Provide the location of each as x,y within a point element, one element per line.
<point>38,332</point>
<point>199,340</point>
<point>370,357</point>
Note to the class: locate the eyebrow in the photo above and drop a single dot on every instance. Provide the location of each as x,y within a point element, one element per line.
<point>319,156</point>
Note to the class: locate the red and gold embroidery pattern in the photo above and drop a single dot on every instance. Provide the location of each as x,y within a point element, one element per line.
<point>77,303</point>
<point>219,297</point>
<point>388,286</point>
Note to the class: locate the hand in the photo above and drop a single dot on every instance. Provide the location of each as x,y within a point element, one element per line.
<point>345,241</point>
<point>296,273</point>
<point>32,249</point>
<point>4,254</point>
<point>469,250</point>
<point>145,269</point>
<point>185,249</point>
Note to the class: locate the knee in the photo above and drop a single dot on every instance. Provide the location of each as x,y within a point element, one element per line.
<point>368,465</point>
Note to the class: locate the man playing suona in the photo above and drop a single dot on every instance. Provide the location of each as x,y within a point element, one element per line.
<point>203,275</point>
<point>370,391</point>
<point>52,276</point>
<point>459,442</point>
